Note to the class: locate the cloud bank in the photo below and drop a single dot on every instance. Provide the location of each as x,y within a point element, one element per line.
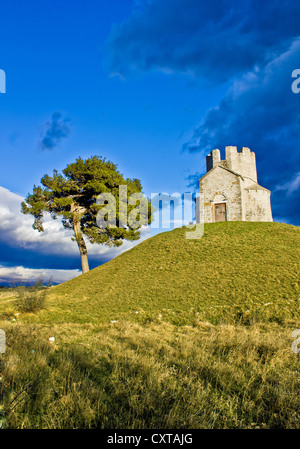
<point>19,275</point>
<point>49,253</point>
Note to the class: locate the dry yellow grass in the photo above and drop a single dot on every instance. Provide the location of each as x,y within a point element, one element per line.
<point>127,375</point>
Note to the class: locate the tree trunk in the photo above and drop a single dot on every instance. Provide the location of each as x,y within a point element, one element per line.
<point>81,243</point>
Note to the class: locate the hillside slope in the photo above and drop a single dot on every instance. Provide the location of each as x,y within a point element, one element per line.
<point>173,334</point>
<point>233,263</point>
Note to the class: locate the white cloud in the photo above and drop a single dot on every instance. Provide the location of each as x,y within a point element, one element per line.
<point>21,274</point>
<point>16,230</point>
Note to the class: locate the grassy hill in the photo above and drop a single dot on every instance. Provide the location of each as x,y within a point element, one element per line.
<point>174,333</point>
<point>233,264</point>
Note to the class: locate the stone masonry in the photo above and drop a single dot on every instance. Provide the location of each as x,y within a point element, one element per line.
<point>229,190</point>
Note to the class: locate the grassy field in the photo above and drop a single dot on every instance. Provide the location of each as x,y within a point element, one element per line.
<point>174,333</point>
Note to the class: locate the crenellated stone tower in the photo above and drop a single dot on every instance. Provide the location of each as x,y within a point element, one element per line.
<point>230,191</point>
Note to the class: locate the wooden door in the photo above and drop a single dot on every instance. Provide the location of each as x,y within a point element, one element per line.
<point>220,212</point>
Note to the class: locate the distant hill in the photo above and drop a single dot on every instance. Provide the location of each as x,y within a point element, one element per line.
<point>234,263</point>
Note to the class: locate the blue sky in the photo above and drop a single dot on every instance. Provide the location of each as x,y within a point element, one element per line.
<point>153,85</point>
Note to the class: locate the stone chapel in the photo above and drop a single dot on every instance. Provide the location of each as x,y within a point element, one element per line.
<point>230,191</point>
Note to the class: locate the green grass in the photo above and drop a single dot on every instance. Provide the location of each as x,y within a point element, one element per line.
<point>210,346</point>
<point>233,264</point>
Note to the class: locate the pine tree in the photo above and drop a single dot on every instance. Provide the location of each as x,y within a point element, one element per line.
<point>73,194</point>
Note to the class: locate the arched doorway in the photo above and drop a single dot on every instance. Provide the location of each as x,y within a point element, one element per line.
<point>220,208</point>
<point>220,212</point>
